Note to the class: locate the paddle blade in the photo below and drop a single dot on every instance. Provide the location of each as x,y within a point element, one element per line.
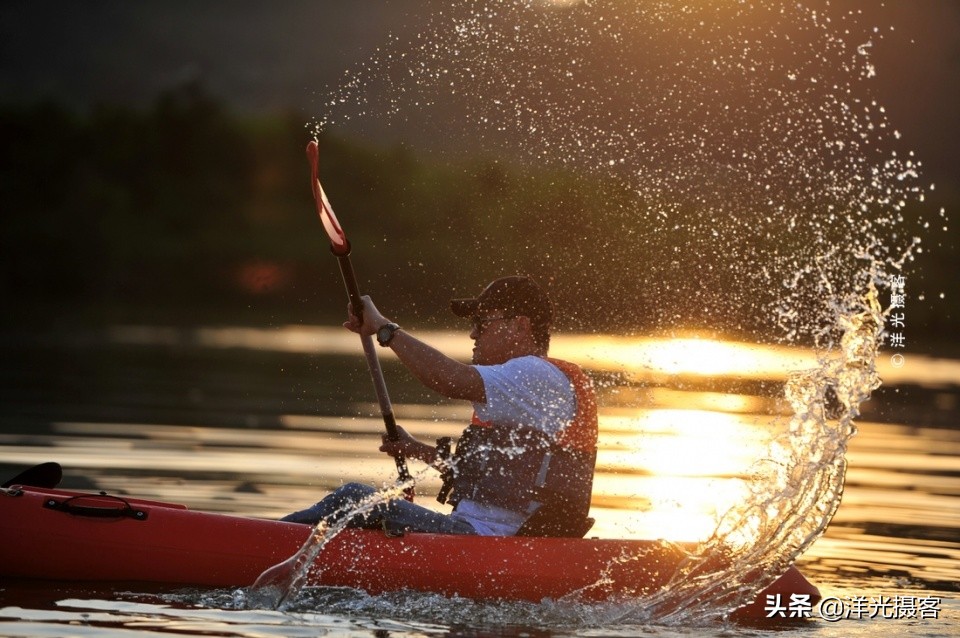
<point>274,585</point>
<point>278,583</point>
<point>338,240</point>
<point>44,475</point>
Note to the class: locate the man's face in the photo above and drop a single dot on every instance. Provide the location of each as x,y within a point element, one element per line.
<point>495,338</point>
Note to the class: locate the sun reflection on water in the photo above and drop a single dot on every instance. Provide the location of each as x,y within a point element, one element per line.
<point>672,473</point>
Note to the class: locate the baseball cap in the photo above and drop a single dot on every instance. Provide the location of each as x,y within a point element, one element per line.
<point>516,296</point>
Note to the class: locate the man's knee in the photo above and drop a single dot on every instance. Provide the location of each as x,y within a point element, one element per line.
<point>349,494</point>
<point>353,491</point>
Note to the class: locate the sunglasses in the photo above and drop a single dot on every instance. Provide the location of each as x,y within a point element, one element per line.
<point>480,323</point>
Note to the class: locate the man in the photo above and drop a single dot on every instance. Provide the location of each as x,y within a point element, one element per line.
<point>525,464</point>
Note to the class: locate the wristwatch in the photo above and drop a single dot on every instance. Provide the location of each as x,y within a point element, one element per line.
<point>385,333</point>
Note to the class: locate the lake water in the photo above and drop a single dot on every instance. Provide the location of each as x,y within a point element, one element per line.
<point>260,422</point>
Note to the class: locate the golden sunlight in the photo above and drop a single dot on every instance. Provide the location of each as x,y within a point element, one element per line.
<point>655,357</point>
<point>640,357</point>
<point>678,470</point>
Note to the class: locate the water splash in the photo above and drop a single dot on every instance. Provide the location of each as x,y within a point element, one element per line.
<point>796,489</point>
<point>284,581</point>
<point>746,134</point>
<point>750,131</point>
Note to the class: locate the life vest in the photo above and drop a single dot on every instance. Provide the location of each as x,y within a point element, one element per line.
<point>521,468</point>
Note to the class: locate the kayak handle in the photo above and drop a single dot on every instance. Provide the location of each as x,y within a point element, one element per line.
<point>97,508</point>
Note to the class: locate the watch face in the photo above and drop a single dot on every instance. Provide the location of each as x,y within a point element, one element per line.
<point>385,333</point>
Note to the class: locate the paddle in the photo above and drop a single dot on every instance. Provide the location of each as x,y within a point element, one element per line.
<point>276,583</point>
<point>46,475</point>
<point>340,247</point>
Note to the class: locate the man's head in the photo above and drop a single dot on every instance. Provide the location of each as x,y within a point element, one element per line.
<point>515,312</point>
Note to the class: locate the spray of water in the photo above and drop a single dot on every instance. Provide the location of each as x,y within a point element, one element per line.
<point>796,489</point>
<point>749,130</point>
<point>745,131</point>
<point>283,582</point>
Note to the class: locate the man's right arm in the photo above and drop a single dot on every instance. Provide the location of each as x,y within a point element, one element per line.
<point>451,378</point>
<point>437,371</point>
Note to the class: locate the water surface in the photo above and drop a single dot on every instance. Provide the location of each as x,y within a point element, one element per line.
<point>261,422</point>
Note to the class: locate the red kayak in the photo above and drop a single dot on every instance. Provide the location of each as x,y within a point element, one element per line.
<point>60,535</point>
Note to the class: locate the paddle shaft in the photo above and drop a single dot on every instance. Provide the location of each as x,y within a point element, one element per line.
<point>373,361</point>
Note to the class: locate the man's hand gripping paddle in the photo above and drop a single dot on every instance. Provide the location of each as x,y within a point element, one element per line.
<point>341,250</point>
